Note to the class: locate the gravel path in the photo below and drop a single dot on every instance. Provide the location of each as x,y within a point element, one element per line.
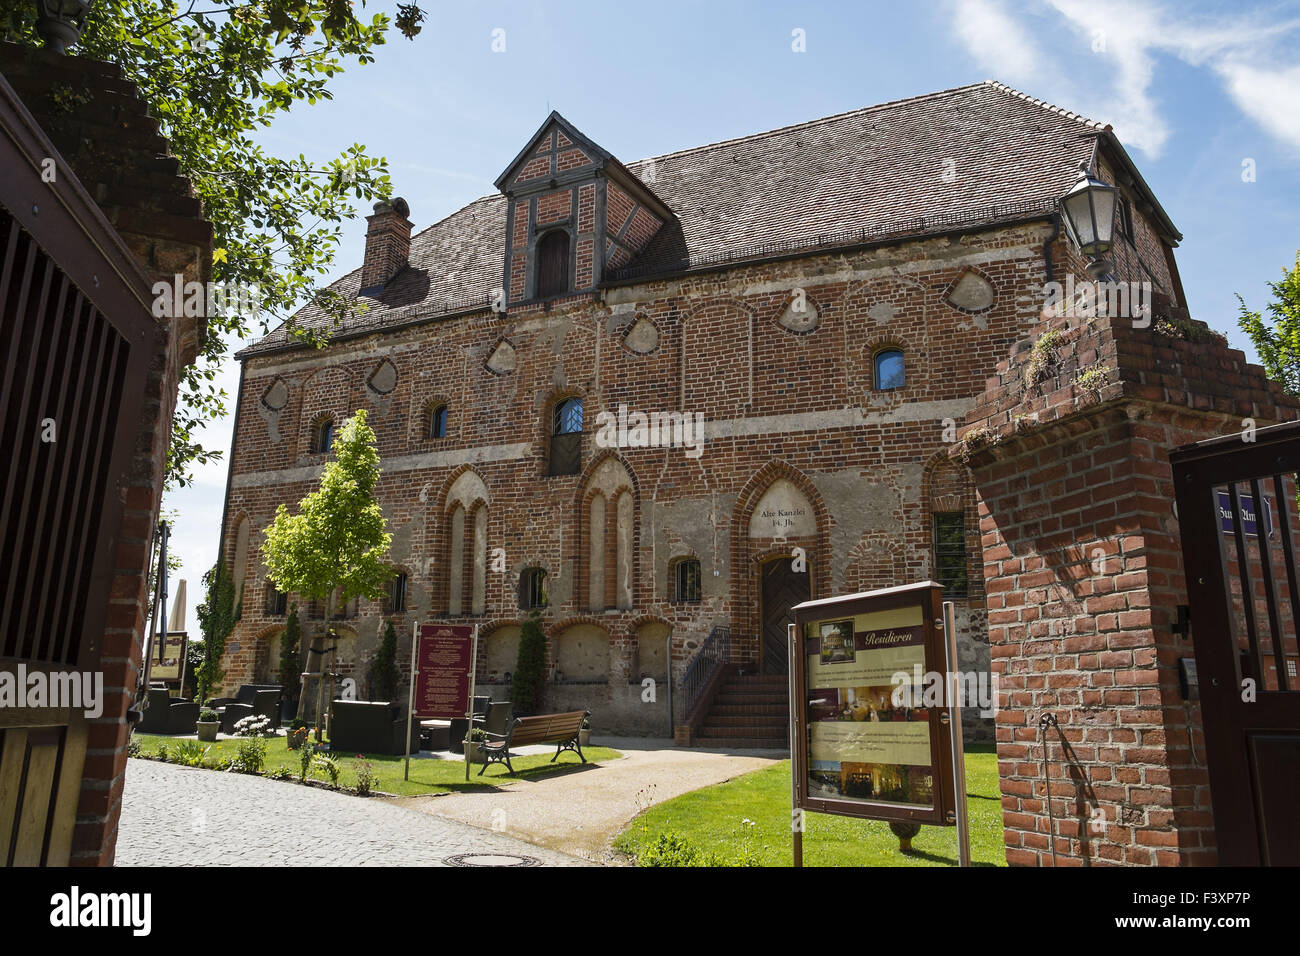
<point>581,812</point>
<point>177,816</point>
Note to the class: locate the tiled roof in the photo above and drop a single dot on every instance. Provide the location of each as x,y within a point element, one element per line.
<point>967,156</point>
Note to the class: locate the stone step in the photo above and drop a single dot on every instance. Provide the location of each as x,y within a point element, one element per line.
<point>728,699</point>
<point>742,743</point>
<point>711,730</point>
<point>725,720</point>
<point>750,710</point>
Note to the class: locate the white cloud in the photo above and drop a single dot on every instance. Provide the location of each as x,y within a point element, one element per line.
<point>1270,98</point>
<point>997,40</point>
<point>1246,50</point>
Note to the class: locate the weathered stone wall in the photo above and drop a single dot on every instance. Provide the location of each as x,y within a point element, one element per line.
<point>791,414</point>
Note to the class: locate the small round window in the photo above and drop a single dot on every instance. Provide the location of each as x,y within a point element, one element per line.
<point>889,370</point>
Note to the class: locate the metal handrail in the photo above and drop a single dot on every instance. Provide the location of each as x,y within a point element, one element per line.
<point>714,652</point>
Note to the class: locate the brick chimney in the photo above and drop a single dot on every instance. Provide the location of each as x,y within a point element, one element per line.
<point>388,244</point>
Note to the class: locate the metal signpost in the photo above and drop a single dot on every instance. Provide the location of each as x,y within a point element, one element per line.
<point>954,725</point>
<point>469,700</point>
<point>410,699</point>
<point>796,814</point>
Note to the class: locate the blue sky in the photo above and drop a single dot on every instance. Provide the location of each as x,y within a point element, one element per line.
<point>1194,90</point>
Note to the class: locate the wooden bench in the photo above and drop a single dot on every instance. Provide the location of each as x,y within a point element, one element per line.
<point>559,729</point>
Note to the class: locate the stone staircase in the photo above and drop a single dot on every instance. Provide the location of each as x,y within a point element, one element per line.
<point>750,711</point>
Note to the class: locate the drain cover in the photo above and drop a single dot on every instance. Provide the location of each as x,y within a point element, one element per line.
<point>491,859</point>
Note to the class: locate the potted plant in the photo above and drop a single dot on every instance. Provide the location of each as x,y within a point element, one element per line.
<point>584,732</point>
<point>472,753</point>
<point>209,721</point>
<point>299,731</point>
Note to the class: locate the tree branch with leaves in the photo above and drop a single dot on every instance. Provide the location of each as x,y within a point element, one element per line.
<point>214,75</point>
<point>1277,338</point>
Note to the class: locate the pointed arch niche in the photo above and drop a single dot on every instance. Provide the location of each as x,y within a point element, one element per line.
<point>465,519</point>
<point>607,536</point>
<point>777,511</point>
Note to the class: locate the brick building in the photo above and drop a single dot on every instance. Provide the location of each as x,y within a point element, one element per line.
<point>853,314</point>
<point>830,298</point>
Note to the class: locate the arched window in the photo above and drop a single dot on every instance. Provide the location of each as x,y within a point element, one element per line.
<point>322,435</point>
<point>553,264</point>
<point>889,369</point>
<point>397,593</point>
<point>950,553</point>
<point>437,421</point>
<point>277,602</point>
<point>566,438</point>
<point>686,581</point>
<point>532,589</point>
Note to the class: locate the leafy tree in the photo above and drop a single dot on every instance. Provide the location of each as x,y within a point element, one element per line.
<point>528,685</point>
<point>213,78</point>
<point>217,616</point>
<point>193,661</point>
<point>1278,340</point>
<point>335,546</point>
<point>290,657</point>
<point>384,675</point>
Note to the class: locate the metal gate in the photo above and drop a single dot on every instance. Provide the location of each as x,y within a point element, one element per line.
<point>1236,501</point>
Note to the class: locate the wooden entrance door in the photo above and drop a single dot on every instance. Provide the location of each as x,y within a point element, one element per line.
<point>1237,517</point>
<point>783,588</point>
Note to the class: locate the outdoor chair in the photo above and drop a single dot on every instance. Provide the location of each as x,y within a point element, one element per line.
<point>165,714</point>
<point>456,733</point>
<point>245,695</point>
<point>266,703</point>
<point>371,727</point>
<point>232,714</point>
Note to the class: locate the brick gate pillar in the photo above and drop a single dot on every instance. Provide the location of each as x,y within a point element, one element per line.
<point>1068,448</point>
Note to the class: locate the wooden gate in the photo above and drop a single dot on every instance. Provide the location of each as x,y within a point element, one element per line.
<point>76,337</point>
<point>1236,504</point>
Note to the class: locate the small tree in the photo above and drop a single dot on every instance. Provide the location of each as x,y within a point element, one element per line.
<point>384,676</point>
<point>217,616</point>
<point>335,546</point>
<point>290,656</point>
<point>1278,340</point>
<point>529,681</point>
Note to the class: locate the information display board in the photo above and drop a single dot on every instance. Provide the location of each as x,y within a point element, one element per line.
<point>444,656</point>
<point>865,744</point>
<point>167,663</point>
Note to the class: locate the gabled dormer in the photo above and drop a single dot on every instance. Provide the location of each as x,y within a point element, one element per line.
<point>574,212</point>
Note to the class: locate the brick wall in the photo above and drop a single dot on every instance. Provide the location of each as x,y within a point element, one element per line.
<point>1083,578</point>
<point>780,403</point>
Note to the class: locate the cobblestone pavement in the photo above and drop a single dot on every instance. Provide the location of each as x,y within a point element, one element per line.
<point>177,816</point>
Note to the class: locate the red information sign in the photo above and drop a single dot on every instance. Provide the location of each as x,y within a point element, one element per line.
<point>443,656</point>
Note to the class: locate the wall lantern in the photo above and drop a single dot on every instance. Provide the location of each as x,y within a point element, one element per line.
<point>60,22</point>
<point>1088,208</point>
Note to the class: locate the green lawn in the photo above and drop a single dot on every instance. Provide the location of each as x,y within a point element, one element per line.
<point>711,821</point>
<point>427,776</point>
